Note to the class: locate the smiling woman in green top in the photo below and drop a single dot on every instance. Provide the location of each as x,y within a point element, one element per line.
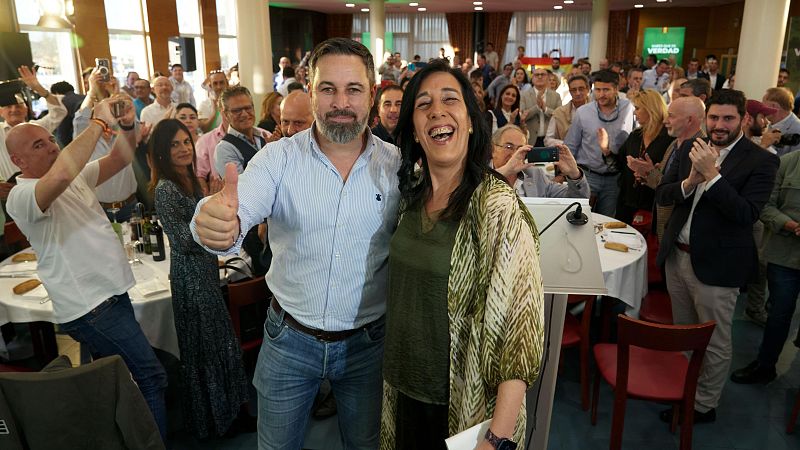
<point>464,321</point>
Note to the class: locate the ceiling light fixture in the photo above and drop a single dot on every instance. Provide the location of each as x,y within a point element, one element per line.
<point>422,9</point>
<point>638,6</point>
<point>568,2</point>
<point>350,5</point>
<point>413,4</point>
<point>558,7</point>
<point>477,3</point>
<point>479,8</point>
<point>364,9</point>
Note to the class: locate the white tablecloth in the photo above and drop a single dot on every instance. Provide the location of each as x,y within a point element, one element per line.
<point>625,273</point>
<point>153,312</point>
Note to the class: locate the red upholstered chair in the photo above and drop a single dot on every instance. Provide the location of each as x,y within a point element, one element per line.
<point>576,333</point>
<point>14,238</point>
<point>656,308</point>
<point>793,416</point>
<point>248,301</point>
<point>648,363</point>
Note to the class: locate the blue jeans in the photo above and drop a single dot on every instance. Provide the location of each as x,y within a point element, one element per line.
<point>606,189</point>
<point>111,329</point>
<point>784,286</point>
<point>291,367</point>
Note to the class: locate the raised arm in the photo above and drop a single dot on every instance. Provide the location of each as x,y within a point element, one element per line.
<point>124,147</point>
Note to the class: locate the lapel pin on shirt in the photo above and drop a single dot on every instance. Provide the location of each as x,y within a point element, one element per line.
<point>378,197</point>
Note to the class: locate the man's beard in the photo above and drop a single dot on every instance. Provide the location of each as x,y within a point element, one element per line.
<point>341,133</point>
<point>728,139</point>
<point>756,130</point>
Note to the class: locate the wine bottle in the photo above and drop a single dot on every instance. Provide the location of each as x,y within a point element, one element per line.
<point>146,224</point>
<point>157,240</point>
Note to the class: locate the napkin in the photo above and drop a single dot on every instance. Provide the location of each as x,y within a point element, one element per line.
<point>151,287</point>
<point>37,293</point>
<point>631,240</point>
<point>18,269</point>
<point>469,438</point>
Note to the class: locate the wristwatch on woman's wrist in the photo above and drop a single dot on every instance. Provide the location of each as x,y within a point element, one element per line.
<point>499,443</point>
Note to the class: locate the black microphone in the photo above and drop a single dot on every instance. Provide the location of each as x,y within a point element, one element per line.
<point>577,217</point>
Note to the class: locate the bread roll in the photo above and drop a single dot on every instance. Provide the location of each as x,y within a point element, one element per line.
<point>616,246</point>
<point>26,286</point>
<point>615,225</point>
<point>23,257</point>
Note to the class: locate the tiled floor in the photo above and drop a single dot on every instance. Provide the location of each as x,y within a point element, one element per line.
<point>749,417</point>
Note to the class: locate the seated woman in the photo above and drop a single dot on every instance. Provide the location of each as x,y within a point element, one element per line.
<point>464,324</point>
<point>214,386</point>
<point>509,150</point>
<point>507,110</point>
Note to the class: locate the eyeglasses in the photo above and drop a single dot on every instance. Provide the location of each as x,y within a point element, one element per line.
<point>243,109</point>
<point>508,147</point>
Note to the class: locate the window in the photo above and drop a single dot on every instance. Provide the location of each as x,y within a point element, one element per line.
<point>228,44</point>
<point>51,48</point>
<point>190,26</point>
<point>542,31</point>
<point>421,34</point>
<point>127,38</point>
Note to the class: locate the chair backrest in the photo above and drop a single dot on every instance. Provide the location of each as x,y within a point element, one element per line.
<point>248,301</point>
<point>14,238</point>
<point>666,338</point>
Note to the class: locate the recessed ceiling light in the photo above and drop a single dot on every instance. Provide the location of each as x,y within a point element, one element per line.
<point>350,5</point>
<point>422,9</point>
<point>638,6</point>
<point>479,8</point>
<point>568,2</point>
<point>661,1</point>
<point>413,4</point>
<point>558,7</point>
<point>364,9</point>
<point>477,3</point>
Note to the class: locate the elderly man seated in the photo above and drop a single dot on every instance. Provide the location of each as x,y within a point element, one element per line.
<point>509,150</point>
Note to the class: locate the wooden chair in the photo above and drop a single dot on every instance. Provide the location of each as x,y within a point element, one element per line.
<point>656,308</point>
<point>576,333</point>
<point>793,415</point>
<point>14,238</point>
<point>648,363</point>
<point>248,301</point>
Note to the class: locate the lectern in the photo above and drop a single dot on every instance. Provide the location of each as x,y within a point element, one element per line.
<point>570,264</point>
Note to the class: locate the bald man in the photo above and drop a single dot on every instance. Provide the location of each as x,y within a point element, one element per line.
<point>684,123</point>
<point>295,113</point>
<point>156,111</point>
<point>81,263</point>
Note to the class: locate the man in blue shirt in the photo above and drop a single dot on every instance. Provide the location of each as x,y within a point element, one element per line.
<point>330,198</point>
<point>598,130</point>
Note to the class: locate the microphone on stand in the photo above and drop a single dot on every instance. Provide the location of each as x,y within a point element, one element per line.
<point>577,217</point>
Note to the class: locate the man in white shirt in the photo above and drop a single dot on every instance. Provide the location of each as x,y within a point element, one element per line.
<point>81,262</point>
<point>657,78</point>
<point>277,80</point>
<point>539,103</point>
<point>17,113</point>
<point>492,58</point>
<point>182,91</point>
<point>288,78</point>
<point>208,111</point>
<point>157,111</point>
<point>719,189</point>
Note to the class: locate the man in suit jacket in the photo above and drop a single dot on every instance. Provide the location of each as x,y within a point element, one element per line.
<point>718,189</point>
<point>716,79</point>
<point>540,103</point>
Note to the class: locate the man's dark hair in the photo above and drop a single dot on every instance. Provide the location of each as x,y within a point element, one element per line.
<point>412,189</point>
<point>475,75</point>
<point>694,60</point>
<point>508,66</point>
<point>389,88</point>
<point>580,77</point>
<point>288,72</point>
<point>231,92</point>
<point>663,61</point>
<point>728,97</point>
<point>417,57</point>
<point>699,86</point>
<point>652,57</point>
<point>618,65</point>
<point>711,56</point>
<point>294,86</point>
<point>172,67</point>
<point>342,46</point>
<point>606,76</point>
<point>785,70</point>
<point>635,69</point>
<point>61,88</point>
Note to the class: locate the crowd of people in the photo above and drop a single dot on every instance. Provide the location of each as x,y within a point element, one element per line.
<point>386,216</point>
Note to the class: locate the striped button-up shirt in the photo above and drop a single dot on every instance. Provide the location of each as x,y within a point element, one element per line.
<point>329,237</point>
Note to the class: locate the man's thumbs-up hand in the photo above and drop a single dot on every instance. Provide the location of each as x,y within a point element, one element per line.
<point>217,223</point>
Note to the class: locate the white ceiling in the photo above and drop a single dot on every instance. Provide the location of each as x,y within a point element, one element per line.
<point>338,6</point>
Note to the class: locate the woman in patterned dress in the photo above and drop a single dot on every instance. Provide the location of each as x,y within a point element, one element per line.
<point>213,383</point>
<point>464,322</point>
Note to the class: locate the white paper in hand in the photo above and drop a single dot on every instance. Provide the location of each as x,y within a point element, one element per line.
<point>469,438</point>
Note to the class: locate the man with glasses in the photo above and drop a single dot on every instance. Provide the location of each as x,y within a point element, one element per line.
<point>156,111</point>
<point>598,130</point>
<point>540,103</point>
<point>562,116</point>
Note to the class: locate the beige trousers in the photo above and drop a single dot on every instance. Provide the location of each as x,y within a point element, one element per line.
<point>694,302</point>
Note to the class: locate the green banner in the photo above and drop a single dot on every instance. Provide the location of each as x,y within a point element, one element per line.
<point>793,54</point>
<point>664,42</point>
<point>388,41</point>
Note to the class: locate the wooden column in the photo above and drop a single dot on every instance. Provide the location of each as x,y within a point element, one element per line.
<point>162,19</point>
<point>91,31</point>
<point>7,22</point>
<point>208,11</point>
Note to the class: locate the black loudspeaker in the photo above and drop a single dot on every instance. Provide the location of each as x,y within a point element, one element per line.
<point>181,50</point>
<point>15,51</point>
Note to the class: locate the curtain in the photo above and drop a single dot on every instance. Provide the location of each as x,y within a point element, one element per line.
<point>542,31</point>
<point>411,34</point>
<point>460,26</point>
<point>497,25</point>
<point>339,25</point>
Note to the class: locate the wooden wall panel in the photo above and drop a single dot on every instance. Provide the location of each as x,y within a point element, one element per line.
<point>163,22</point>
<point>91,30</point>
<point>208,10</point>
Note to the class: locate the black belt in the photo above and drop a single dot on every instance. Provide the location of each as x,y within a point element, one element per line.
<point>322,335</point>
<point>602,174</point>
<point>120,204</point>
